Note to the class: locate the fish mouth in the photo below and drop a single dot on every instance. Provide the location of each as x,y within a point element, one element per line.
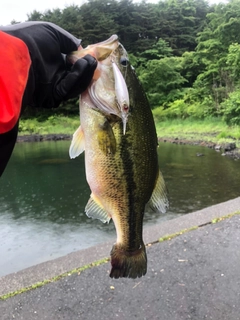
<point>100,51</point>
<point>105,48</point>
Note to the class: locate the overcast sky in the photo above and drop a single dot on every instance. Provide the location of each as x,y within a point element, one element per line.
<point>18,9</point>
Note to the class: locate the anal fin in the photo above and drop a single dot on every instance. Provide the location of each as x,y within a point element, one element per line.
<point>159,200</point>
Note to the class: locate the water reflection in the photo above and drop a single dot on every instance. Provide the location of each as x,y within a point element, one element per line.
<point>43,194</point>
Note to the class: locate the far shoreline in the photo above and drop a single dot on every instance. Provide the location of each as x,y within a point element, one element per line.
<point>226,149</point>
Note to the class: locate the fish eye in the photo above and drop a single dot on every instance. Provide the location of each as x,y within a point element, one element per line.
<point>124,61</point>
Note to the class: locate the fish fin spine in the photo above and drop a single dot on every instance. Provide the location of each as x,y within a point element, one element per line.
<point>95,210</point>
<point>159,199</point>
<point>128,264</point>
<point>78,143</point>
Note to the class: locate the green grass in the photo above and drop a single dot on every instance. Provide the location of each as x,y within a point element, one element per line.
<point>216,220</point>
<point>208,130</point>
<point>174,235</point>
<point>54,124</point>
<point>42,283</point>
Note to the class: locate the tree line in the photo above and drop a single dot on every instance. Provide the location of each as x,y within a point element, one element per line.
<point>185,52</point>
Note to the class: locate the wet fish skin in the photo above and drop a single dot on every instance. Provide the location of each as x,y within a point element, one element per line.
<point>122,171</point>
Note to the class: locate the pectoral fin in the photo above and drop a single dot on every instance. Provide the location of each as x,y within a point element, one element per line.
<point>95,210</point>
<point>106,139</point>
<point>78,144</point>
<point>159,201</point>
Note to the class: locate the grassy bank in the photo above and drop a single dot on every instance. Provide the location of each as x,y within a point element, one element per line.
<point>209,130</point>
<point>54,124</point>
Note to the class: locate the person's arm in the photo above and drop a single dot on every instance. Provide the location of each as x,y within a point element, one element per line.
<point>49,80</point>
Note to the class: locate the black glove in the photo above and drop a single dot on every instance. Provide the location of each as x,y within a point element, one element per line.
<point>77,80</point>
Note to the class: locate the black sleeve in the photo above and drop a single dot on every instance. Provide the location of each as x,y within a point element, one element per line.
<point>7,143</point>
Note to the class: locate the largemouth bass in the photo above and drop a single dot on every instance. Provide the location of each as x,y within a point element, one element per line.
<point>121,158</point>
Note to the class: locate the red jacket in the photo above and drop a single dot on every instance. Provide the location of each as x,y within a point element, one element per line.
<point>14,67</point>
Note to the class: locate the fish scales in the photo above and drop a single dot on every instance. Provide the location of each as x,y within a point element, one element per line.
<point>122,167</point>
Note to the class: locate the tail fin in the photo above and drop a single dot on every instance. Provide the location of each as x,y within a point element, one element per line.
<point>128,264</point>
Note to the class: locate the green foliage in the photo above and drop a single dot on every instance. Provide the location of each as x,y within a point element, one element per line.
<point>218,52</point>
<point>200,129</point>
<point>177,109</point>
<point>53,124</point>
<point>185,52</point>
<point>27,128</point>
<point>138,25</point>
<point>192,66</point>
<point>181,20</point>
<point>162,80</point>
<point>158,114</point>
<point>182,109</point>
<point>158,50</point>
<point>231,109</point>
<point>233,61</point>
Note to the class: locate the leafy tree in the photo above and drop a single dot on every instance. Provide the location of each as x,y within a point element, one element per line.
<point>158,50</point>
<point>138,25</point>
<point>144,27</point>
<point>231,108</point>
<point>35,16</point>
<point>98,20</point>
<point>212,50</point>
<point>233,61</point>
<point>162,80</point>
<point>180,21</point>
<point>192,66</point>
<point>186,52</point>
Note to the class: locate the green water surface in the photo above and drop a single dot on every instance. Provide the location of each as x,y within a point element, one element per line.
<point>43,194</point>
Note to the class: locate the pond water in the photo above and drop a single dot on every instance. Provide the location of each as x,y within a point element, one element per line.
<point>43,194</point>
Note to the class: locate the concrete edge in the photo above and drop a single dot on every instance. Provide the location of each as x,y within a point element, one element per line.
<point>50,269</point>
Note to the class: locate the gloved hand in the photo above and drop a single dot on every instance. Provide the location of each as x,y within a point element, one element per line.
<point>77,80</point>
